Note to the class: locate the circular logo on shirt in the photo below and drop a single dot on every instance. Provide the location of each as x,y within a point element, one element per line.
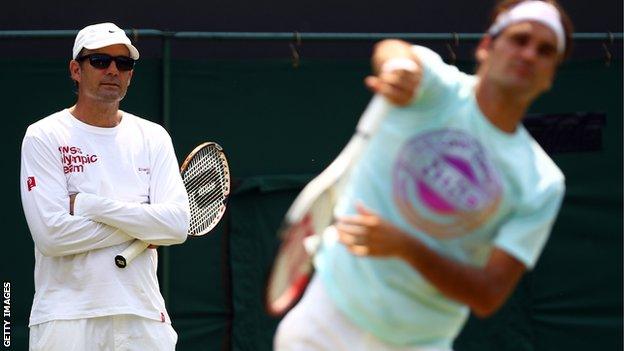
<point>444,184</point>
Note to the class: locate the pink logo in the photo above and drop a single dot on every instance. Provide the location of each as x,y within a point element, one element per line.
<point>74,159</point>
<point>444,184</point>
<point>31,183</point>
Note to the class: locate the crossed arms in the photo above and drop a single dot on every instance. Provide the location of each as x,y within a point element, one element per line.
<point>98,222</point>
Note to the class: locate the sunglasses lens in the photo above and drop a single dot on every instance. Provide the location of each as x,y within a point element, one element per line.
<point>124,63</point>
<point>100,61</point>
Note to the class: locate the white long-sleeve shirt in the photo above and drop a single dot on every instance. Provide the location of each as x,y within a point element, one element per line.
<point>128,187</point>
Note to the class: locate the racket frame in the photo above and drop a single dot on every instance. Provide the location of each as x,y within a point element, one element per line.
<point>226,170</point>
<point>126,256</point>
<point>320,195</point>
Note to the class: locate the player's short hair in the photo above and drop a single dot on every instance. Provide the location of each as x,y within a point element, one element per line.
<point>76,84</point>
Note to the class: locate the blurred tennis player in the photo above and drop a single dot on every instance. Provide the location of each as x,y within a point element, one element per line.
<point>452,201</point>
<point>94,178</point>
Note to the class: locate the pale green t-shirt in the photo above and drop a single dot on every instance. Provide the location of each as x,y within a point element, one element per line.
<point>442,172</point>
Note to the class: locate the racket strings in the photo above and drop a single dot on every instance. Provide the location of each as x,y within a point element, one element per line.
<point>206,182</point>
<point>203,217</point>
<point>202,196</point>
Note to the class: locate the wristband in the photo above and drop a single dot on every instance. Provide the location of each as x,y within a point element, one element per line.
<point>396,63</point>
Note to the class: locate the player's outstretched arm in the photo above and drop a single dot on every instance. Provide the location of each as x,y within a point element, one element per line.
<point>397,71</point>
<point>483,289</point>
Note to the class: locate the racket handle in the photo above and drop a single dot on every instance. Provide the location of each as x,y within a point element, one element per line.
<point>132,251</point>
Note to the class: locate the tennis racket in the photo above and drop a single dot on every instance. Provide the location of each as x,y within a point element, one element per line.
<point>311,213</point>
<point>206,177</point>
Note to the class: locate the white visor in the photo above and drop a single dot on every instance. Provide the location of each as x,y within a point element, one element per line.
<point>532,10</point>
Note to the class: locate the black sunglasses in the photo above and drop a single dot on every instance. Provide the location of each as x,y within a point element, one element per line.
<point>102,61</point>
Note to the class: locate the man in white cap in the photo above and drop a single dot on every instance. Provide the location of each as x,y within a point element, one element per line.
<point>452,200</point>
<point>93,179</point>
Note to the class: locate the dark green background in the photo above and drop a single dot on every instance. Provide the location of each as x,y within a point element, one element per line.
<point>280,126</point>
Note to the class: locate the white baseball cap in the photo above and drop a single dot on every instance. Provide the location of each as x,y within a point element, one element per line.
<point>100,35</point>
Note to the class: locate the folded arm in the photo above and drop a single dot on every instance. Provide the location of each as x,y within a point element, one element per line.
<point>45,201</point>
<point>159,224</point>
<point>162,221</point>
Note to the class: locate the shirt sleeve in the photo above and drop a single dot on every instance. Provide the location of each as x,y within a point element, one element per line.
<point>525,234</point>
<point>439,78</point>
<point>165,220</point>
<point>45,201</point>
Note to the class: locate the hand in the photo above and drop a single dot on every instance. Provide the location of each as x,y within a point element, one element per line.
<point>72,199</point>
<point>367,234</point>
<point>152,246</point>
<point>398,85</point>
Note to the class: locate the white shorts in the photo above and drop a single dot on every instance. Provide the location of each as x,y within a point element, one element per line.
<point>119,332</point>
<point>315,324</point>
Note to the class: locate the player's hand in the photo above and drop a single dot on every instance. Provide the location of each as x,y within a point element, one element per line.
<point>367,234</point>
<point>72,199</point>
<point>152,246</point>
<point>397,83</point>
